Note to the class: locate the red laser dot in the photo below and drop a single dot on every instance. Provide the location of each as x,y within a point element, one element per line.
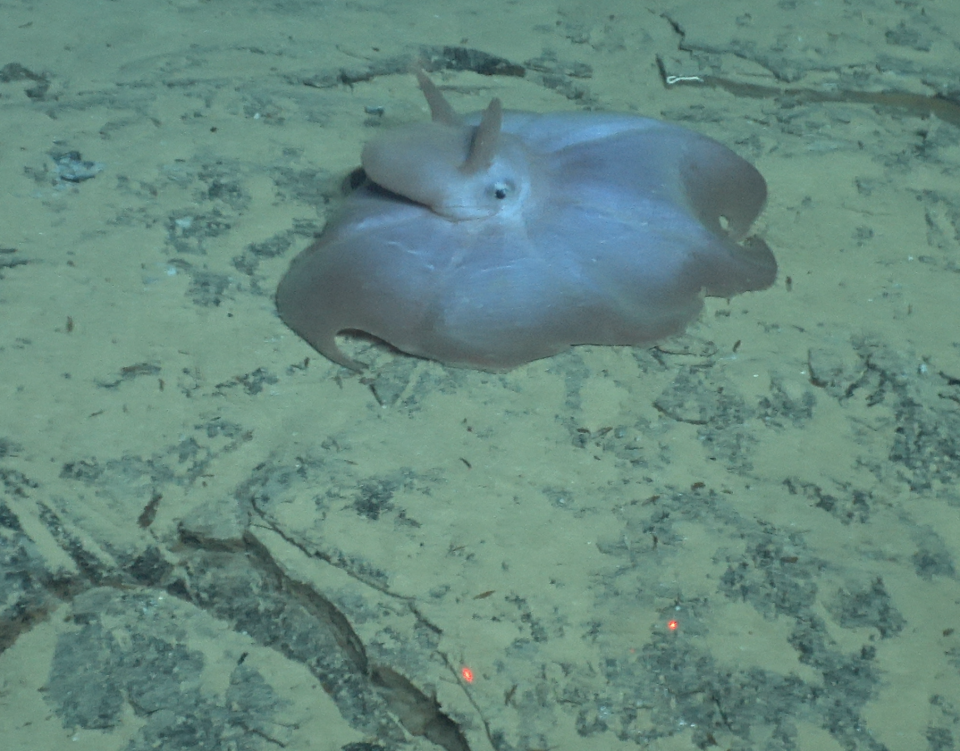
<point>467,674</point>
<point>673,625</point>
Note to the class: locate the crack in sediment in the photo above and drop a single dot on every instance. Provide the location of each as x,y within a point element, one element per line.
<point>420,714</point>
<point>918,104</point>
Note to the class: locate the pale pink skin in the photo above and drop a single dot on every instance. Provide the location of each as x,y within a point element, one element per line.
<point>499,238</point>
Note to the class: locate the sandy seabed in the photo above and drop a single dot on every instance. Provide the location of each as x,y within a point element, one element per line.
<point>212,538</point>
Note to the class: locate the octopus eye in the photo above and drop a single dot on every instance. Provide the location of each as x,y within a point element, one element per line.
<point>502,189</point>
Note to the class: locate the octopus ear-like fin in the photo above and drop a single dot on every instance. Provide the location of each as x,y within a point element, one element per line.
<point>486,138</point>
<point>440,109</point>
